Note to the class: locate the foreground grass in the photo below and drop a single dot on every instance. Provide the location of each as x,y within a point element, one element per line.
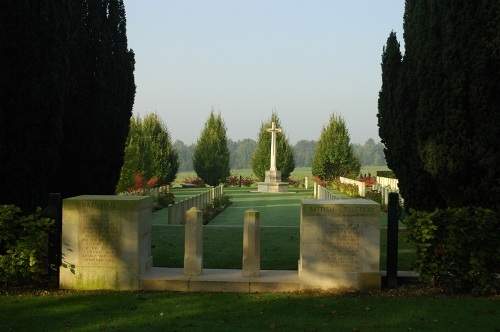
<point>167,311</point>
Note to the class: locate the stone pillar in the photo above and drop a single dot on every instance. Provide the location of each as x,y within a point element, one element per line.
<point>193,243</point>
<point>251,244</point>
<point>315,190</point>
<point>306,183</point>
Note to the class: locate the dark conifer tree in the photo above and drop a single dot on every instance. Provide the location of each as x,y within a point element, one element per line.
<point>33,77</point>
<point>211,154</point>
<point>99,105</point>
<point>449,104</point>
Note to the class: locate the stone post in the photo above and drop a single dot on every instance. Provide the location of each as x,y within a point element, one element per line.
<point>306,183</point>
<point>193,243</point>
<point>251,244</point>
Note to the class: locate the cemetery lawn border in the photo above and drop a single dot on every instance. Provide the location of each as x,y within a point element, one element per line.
<point>408,308</point>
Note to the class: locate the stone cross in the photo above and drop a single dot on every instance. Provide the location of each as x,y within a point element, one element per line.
<point>273,131</point>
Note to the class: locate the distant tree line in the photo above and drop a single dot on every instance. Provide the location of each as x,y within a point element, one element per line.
<point>241,152</point>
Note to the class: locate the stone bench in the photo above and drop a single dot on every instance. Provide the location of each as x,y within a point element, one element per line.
<point>188,185</point>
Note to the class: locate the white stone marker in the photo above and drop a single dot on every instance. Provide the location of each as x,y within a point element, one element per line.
<point>273,131</point>
<point>193,242</point>
<point>251,244</point>
<point>106,242</point>
<point>340,244</point>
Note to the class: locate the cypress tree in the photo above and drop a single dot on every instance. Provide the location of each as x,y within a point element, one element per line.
<point>449,105</point>
<point>261,159</point>
<point>334,156</point>
<point>33,72</point>
<point>211,154</point>
<point>99,105</point>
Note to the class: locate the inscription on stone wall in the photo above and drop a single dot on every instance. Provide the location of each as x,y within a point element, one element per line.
<point>99,240</point>
<point>340,244</point>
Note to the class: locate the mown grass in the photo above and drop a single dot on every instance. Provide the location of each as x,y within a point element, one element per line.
<point>280,233</point>
<point>170,311</point>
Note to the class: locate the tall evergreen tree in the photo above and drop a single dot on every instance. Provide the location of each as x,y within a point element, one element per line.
<point>261,159</point>
<point>148,151</point>
<point>334,156</point>
<point>100,100</point>
<point>33,80</point>
<point>449,101</point>
<point>211,155</point>
<point>396,120</point>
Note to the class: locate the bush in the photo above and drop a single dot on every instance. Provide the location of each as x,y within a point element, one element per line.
<point>163,200</point>
<point>374,195</point>
<point>23,245</point>
<point>211,210</point>
<point>196,181</point>
<point>458,249</point>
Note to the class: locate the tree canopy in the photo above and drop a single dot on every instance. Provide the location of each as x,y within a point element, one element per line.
<point>211,154</point>
<point>439,104</point>
<point>261,159</point>
<point>68,88</point>
<point>334,156</point>
<point>148,151</point>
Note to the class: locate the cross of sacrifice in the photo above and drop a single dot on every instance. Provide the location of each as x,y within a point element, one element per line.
<point>273,131</point>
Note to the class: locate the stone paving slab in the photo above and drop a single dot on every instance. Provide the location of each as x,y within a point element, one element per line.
<point>230,280</point>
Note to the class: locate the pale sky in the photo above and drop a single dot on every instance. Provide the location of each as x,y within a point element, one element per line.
<point>245,58</point>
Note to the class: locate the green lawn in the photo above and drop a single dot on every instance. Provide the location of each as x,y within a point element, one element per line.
<point>170,311</point>
<point>280,233</point>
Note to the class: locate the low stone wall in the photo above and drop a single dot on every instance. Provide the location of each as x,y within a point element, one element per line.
<point>339,244</point>
<point>106,242</point>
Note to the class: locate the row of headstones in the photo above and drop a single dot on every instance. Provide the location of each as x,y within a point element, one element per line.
<point>321,192</point>
<point>386,186</point>
<point>177,211</point>
<point>193,243</point>
<point>149,192</point>
<point>388,182</point>
<point>361,185</point>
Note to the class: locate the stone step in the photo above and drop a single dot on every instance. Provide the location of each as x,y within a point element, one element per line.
<point>231,280</point>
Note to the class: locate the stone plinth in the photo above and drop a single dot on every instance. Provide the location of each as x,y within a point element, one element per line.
<point>272,183</point>
<point>340,244</point>
<point>106,242</point>
<point>193,242</point>
<point>251,244</point>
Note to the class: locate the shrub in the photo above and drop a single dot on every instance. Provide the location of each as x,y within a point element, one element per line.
<point>374,195</point>
<point>320,182</point>
<point>197,181</point>
<point>142,184</point>
<point>295,183</point>
<point>218,204</point>
<point>232,180</point>
<point>163,200</point>
<point>458,249</point>
<point>247,181</point>
<point>23,245</point>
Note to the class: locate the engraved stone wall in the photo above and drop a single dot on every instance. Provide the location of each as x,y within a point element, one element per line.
<point>106,242</point>
<point>339,244</point>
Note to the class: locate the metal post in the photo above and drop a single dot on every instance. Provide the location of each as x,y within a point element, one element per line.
<point>392,240</point>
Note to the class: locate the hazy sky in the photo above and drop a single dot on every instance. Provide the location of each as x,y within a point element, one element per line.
<point>245,58</point>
